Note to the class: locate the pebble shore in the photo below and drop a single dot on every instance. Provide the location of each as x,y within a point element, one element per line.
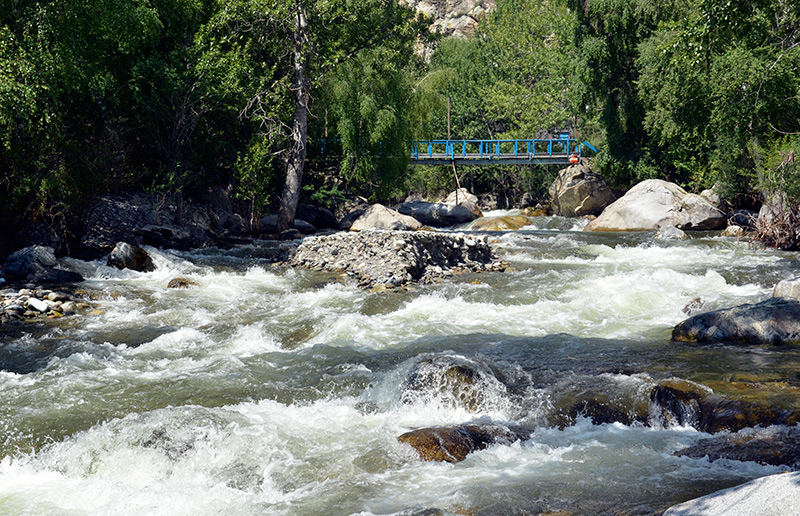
<point>27,303</point>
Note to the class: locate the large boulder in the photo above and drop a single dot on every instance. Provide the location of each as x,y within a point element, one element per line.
<point>454,443</point>
<point>437,214</point>
<point>654,203</point>
<point>320,218</point>
<point>347,221</point>
<point>462,197</point>
<point>37,264</point>
<point>774,495</point>
<point>379,216</point>
<point>774,321</point>
<point>687,404</point>
<point>129,256</point>
<point>30,261</point>
<point>789,288</point>
<point>269,224</point>
<point>577,192</point>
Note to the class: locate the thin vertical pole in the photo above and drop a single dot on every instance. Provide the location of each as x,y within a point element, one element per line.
<point>448,118</point>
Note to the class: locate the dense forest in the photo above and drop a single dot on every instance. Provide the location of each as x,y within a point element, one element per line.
<point>183,95</point>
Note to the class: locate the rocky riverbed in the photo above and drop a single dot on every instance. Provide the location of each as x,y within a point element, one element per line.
<point>25,304</point>
<point>397,258</point>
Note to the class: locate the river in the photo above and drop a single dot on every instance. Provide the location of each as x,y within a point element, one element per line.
<point>275,391</point>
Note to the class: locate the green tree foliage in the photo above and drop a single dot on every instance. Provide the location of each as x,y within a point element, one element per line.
<point>718,84</point>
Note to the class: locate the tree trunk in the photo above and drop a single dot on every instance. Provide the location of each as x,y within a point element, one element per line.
<point>300,94</point>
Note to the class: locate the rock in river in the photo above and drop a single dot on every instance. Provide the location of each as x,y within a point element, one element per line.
<point>129,256</point>
<point>437,214</point>
<point>394,258</point>
<point>379,216</point>
<point>454,443</point>
<point>37,264</point>
<point>774,321</point>
<point>577,192</point>
<point>653,203</point>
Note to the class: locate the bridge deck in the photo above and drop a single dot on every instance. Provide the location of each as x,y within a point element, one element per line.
<point>496,152</point>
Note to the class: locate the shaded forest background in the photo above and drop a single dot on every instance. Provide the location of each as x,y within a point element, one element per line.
<point>98,96</point>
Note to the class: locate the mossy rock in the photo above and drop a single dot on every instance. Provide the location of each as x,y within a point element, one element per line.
<point>505,223</point>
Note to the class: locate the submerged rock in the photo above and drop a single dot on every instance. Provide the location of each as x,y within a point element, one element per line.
<point>577,192</point>
<point>128,256</point>
<point>395,258</point>
<point>454,443</point>
<point>774,321</point>
<point>670,233</point>
<point>653,203</point>
<point>182,283</point>
<point>458,382</point>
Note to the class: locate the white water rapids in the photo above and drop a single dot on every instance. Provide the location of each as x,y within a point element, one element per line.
<point>270,391</point>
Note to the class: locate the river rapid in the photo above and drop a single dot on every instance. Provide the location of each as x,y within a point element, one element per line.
<point>275,391</point>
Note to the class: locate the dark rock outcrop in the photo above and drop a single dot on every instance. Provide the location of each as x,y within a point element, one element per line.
<point>159,220</point>
<point>437,214</point>
<point>774,321</point>
<point>129,256</point>
<point>320,218</point>
<point>395,258</point>
<point>30,261</point>
<point>37,264</point>
<point>775,446</point>
<point>269,224</point>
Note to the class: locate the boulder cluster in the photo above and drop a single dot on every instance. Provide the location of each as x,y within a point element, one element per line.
<point>396,258</point>
<point>30,303</point>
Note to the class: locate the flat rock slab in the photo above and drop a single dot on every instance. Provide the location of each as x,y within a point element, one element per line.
<point>775,495</point>
<point>396,258</point>
<point>774,321</point>
<point>774,446</point>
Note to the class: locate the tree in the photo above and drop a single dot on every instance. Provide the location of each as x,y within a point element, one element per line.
<point>326,35</point>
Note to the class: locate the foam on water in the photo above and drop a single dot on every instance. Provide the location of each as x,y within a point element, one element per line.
<point>270,391</point>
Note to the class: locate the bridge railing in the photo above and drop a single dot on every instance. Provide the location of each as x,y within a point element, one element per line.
<point>489,149</point>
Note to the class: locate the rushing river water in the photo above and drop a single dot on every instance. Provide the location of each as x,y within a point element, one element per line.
<point>270,391</point>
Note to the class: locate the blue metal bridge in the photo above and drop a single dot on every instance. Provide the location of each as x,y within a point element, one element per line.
<point>557,151</point>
